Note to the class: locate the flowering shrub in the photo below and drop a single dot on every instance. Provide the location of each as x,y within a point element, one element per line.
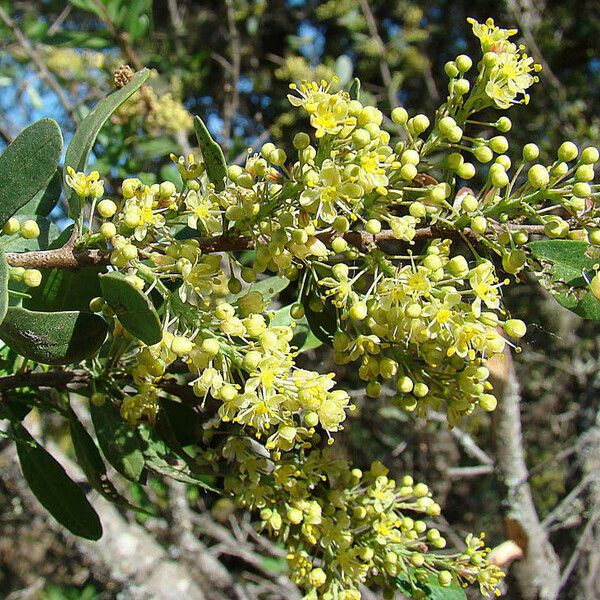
<point>394,262</point>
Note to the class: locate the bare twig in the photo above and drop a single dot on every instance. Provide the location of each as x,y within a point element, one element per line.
<point>40,65</point>
<point>57,379</point>
<point>384,67</point>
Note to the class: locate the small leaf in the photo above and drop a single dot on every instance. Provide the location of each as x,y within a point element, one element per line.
<point>565,262</point>
<point>53,338</point>
<point>27,165</point>
<point>216,167</point>
<point>304,339</point>
<point>268,287</point>
<point>354,89</point>
<point>344,68</point>
<point>4,277</point>
<point>55,490</point>
<point>120,444</point>
<point>83,141</point>
<point>133,308</point>
<point>322,324</point>
<point>46,199</point>
<point>91,463</point>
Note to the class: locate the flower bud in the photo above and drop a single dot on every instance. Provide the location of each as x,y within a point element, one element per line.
<point>515,328</point>
<point>530,152</point>
<point>108,230</point>
<point>399,115</point>
<point>567,151</point>
<point>504,124</point>
<point>499,144</point>
<point>30,230</point>
<point>595,286</point>
<point>590,155</point>
<point>11,226</point>
<point>32,278</point>
<point>538,176</point>
<point>463,63</point>
<point>462,86</point>
<point>301,140</point>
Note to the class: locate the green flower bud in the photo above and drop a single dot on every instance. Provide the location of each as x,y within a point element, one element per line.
<point>488,402</point>
<point>499,178</point>
<point>463,63</point>
<point>458,266</point>
<point>32,278</point>
<point>590,155</point>
<point>567,151</point>
<point>417,210</point>
<point>556,228</point>
<point>30,230</point>
<point>358,311</point>
<point>399,115</point>
<point>582,190</point>
<point>469,203</point>
<point>339,245</point>
<point>514,261</point>
<point>499,144</point>
<point>483,154</point>
<point>181,346</point>
<point>451,69</point>
<point>405,384</point>
<point>418,124</point>
<point>466,171</point>
<point>373,389</point>
<point>584,173</point>
<point>595,286</point>
<point>373,226</point>
<point>479,225</point>
<point>267,149</point>
<point>301,140</point>
<point>410,157</point>
<point>538,176</point>
<point>530,152</point>
<point>504,124</point>
<point>462,86</point>
<point>421,389</point>
<point>595,237</point>
<point>408,172</point>
<point>454,160</point>
<point>515,328</point>
<point>445,578</point>
<point>108,230</point>
<point>11,226</point>
<point>360,138</point>
<point>106,208</point>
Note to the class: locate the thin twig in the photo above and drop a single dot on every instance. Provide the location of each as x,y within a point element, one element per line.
<point>37,60</point>
<point>57,379</point>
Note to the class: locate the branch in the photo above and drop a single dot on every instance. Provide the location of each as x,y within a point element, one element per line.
<point>39,63</point>
<point>72,258</point>
<point>538,573</point>
<point>56,379</point>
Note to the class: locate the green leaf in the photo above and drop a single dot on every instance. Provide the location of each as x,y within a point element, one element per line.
<point>46,199</point>
<point>563,264</point>
<point>56,491</point>
<point>65,290</point>
<point>408,583</point>
<point>354,89</point>
<point>269,288</point>
<point>120,444</point>
<point>91,463</point>
<point>133,308</point>
<point>48,234</point>
<point>83,141</point>
<point>53,338</point>
<point>322,324</point>
<point>4,277</point>
<point>27,165</point>
<point>216,167</point>
<point>304,339</point>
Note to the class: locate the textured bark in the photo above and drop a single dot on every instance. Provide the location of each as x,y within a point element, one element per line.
<point>538,573</point>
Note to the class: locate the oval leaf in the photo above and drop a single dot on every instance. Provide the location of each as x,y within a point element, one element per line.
<point>56,338</point>
<point>120,444</point>
<point>83,141</point>
<point>563,264</point>
<point>27,165</point>
<point>55,490</point>
<point>133,308</point>
<point>4,277</point>
<point>46,199</point>
<point>216,167</point>
<point>91,463</point>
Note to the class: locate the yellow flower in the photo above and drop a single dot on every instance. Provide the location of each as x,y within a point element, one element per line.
<point>85,185</point>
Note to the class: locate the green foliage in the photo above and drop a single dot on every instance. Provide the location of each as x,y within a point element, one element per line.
<point>56,338</point>
<point>83,141</point>
<point>214,160</point>
<point>566,265</point>
<point>27,165</point>
<point>4,277</point>
<point>132,307</point>
<point>56,491</point>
